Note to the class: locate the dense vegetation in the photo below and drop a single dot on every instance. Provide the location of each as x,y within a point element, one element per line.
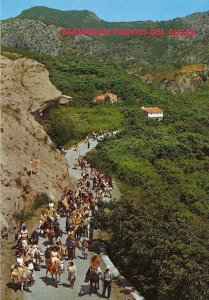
<point>161,225</point>
<point>138,54</point>
<point>69,124</point>
<point>169,159</point>
<point>160,231</point>
<point>85,19</point>
<point>83,79</point>
<point>164,255</point>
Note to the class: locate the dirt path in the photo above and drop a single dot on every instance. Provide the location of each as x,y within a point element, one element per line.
<point>83,149</point>
<point>44,288</point>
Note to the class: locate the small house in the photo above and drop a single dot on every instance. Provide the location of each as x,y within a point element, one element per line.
<point>113,97</point>
<point>106,97</point>
<point>153,112</point>
<point>99,98</point>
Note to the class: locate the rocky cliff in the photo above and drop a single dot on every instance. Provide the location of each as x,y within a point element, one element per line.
<point>26,88</point>
<point>188,78</point>
<point>31,35</point>
<point>38,29</point>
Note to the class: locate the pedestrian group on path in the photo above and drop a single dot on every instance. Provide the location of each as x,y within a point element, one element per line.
<point>77,207</point>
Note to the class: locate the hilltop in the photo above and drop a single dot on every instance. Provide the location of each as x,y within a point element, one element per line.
<point>84,18</point>
<point>71,18</point>
<point>39,30</point>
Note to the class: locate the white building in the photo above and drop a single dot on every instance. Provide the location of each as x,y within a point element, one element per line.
<point>153,112</point>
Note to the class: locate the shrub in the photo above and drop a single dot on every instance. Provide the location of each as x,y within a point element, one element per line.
<point>61,132</point>
<point>41,199</point>
<point>26,214</point>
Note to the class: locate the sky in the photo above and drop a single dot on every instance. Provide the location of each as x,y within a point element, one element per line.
<point>114,10</point>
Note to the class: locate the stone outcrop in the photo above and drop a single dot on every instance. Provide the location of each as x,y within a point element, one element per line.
<point>26,88</point>
<point>186,79</point>
<point>29,79</point>
<point>31,35</point>
<point>199,21</point>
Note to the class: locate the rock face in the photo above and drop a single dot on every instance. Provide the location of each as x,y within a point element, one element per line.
<point>186,79</point>
<point>199,21</point>
<point>31,35</point>
<point>25,89</point>
<point>29,79</point>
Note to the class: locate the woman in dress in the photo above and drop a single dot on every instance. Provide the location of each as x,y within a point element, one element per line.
<point>55,256</point>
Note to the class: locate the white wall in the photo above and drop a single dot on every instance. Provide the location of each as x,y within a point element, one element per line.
<point>155,115</point>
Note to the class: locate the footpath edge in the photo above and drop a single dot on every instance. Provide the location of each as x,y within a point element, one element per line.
<point>116,274</point>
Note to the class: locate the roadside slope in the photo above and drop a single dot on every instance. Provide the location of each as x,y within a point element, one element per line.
<point>26,88</point>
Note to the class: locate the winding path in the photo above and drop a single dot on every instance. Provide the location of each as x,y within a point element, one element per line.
<point>44,288</point>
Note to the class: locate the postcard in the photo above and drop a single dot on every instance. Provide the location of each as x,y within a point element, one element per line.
<point>104,149</point>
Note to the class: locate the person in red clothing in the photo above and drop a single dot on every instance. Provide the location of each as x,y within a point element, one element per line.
<point>94,265</point>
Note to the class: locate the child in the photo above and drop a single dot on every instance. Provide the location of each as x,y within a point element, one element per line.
<point>85,246</point>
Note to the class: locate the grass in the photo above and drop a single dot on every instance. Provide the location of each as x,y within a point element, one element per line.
<point>87,119</point>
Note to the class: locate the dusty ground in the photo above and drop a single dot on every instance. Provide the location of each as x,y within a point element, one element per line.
<point>25,88</point>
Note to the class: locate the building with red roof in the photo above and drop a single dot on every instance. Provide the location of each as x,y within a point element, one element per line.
<point>153,112</point>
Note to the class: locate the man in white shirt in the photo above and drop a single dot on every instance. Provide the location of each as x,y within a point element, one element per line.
<point>107,282</point>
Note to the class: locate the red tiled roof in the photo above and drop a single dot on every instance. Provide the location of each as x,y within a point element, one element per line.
<point>152,109</point>
<point>103,97</point>
<point>111,95</point>
<point>100,98</point>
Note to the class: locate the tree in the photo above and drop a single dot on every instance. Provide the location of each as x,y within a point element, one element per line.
<point>61,131</point>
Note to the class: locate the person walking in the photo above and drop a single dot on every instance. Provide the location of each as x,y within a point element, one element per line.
<point>70,243</point>
<point>107,282</point>
<point>85,246</point>
<point>71,274</point>
<point>94,264</point>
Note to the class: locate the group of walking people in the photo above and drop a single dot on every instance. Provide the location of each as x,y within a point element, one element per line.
<point>28,257</point>
<point>102,185</point>
<point>77,207</point>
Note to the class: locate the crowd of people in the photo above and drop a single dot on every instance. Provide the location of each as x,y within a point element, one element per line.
<point>77,207</point>
<point>102,184</point>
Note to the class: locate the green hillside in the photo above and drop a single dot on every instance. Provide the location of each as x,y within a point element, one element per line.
<point>75,18</point>
<point>85,18</point>
<point>83,79</point>
<point>138,55</point>
<point>161,224</point>
<point>159,230</point>
<point>57,17</point>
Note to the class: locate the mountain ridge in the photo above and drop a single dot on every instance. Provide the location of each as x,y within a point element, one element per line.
<point>43,9</point>
<point>39,29</point>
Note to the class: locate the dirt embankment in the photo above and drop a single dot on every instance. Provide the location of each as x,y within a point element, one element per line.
<point>26,88</point>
